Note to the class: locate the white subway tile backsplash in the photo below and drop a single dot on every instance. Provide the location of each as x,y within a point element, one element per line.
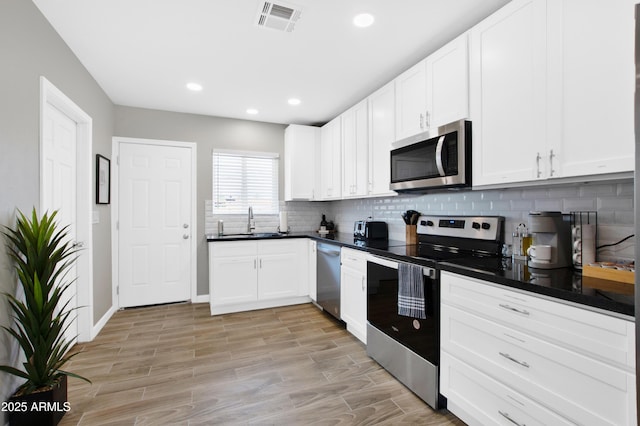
<point>579,204</point>
<point>548,205</point>
<point>614,203</point>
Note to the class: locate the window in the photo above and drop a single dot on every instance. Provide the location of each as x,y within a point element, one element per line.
<point>243,179</point>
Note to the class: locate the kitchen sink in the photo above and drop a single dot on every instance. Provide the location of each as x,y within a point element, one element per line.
<point>252,235</point>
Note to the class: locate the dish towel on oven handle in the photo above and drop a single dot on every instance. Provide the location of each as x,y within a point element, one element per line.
<point>411,297</point>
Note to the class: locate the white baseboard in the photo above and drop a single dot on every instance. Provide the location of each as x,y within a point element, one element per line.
<point>203,298</point>
<point>261,304</point>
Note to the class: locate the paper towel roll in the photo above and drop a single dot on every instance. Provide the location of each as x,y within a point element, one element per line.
<point>284,226</point>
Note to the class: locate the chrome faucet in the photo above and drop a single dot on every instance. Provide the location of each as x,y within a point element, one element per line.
<point>251,223</point>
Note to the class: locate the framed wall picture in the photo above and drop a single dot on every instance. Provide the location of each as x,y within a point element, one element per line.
<point>103,180</point>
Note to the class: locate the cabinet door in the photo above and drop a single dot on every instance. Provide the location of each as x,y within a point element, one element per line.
<point>353,302</point>
<point>330,160</point>
<point>597,42</point>
<point>508,94</point>
<point>381,136</point>
<point>355,150</point>
<point>282,269</point>
<point>448,83</point>
<point>300,162</point>
<point>278,276</point>
<point>312,277</point>
<point>353,292</point>
<point>411,101</point>
<point>233,280</point>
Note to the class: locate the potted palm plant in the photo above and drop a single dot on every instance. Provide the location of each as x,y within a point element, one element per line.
<point>42,255</point>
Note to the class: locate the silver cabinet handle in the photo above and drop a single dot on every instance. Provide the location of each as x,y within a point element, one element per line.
<point>538,172</point>
<point>77,244</point>
<point>508,417</point>
<point>260,263</point>
<point>511,308</point>
<point>427,119</point>
<point>255,264</point>
<point>421,121</point>
<point>512,359</point>
<point>185,236</point>
<point>363,284</point>
<point>551,155</point>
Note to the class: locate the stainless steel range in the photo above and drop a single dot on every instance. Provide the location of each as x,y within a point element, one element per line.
<point>407,344</point>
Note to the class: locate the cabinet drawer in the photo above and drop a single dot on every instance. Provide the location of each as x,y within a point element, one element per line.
<point>354,259</point>
<point>581,388</point>
<point>607,338</point>
<point>281,246</point>
<point>479,400</point>
<point>233,248</point>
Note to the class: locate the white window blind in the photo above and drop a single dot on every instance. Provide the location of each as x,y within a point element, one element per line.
<point>243,179</point>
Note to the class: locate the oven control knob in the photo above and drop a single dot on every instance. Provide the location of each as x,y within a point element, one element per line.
<point>429,223</point>
<point>486,225</point>
<point>475,225</point>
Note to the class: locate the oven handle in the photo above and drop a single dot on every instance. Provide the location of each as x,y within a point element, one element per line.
<point>393,264</point>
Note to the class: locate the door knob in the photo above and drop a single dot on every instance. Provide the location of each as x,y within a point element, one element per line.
<point>185,226</point>
<point>185,236</point>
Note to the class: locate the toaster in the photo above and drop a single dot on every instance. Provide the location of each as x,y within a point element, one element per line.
<point>370,230</point>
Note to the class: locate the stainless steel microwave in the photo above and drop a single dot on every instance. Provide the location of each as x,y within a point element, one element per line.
<point>439,158</point>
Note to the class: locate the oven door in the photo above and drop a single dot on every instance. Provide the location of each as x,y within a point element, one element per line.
<point>419,335</point>
<point>432,159</point>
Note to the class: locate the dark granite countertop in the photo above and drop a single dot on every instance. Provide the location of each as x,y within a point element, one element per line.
<point>564,284</point>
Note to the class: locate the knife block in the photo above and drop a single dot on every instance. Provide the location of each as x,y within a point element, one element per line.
<point>411,234</point>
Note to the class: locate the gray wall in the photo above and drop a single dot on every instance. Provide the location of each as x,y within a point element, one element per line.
<point>208,133</point>
<point>30,48</point>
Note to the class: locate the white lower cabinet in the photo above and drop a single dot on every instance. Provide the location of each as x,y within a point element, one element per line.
<point>313,268</point>
<point>353,292</point>
<point>497,361</point>
<point>245,275</point>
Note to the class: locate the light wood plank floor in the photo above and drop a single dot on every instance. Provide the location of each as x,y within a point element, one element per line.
<point>176,364</point>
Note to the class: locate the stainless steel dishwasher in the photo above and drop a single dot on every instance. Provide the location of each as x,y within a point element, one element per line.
<point>328,278</point>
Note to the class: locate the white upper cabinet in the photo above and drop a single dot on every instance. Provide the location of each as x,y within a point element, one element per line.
<point>435,91</point>
<point>596,39</point>
<point>330,167</point>
<point>448,83</point>
<point>355,151</point>
<point>552,87</point>
<point>508,83</point>
<point>300,144</point>
<point>381,136</point>
<point>411,101</point>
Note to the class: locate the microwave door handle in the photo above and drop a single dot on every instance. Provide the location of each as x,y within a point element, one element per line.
<point>439,156</point>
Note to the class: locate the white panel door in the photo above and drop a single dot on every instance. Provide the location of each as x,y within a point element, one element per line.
<point>154,224</point>
<point>59,137</point>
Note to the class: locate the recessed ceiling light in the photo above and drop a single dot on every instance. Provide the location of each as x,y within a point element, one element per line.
<point>252,111</point>
<point>195,87</point>
<point>363,20</point>
<point>294,101</point>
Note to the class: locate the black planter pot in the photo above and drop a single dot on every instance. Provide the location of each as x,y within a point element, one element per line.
<point>41,408</point>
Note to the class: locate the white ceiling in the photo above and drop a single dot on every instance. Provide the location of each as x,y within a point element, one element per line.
<point>144,52</point>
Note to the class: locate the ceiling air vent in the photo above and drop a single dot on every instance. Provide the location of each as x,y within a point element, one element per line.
<point>278,16</point>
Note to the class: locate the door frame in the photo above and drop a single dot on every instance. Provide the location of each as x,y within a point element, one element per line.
<point>49,94</point>
<point>117,141</point>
